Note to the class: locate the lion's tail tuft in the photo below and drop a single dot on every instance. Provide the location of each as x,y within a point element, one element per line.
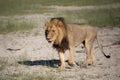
<point>107,56</point>
<point>101,48</point>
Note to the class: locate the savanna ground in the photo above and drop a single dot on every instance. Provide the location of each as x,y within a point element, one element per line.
<point>26,55</point>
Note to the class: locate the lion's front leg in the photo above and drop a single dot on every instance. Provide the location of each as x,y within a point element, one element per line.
<point>62,59</point>
<point>71,57</point>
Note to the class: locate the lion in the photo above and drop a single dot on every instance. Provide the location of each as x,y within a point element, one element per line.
<point>68,36</point>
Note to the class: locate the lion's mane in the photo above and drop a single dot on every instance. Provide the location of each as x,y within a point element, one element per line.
<point>62,38</point>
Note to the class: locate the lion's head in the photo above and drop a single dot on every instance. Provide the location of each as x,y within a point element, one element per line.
<point>55,30</point>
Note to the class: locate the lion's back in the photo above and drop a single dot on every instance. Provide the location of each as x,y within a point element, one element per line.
<point>80,31</point>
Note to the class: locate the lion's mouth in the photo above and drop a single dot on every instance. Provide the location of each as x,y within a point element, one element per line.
<point>51,41</point>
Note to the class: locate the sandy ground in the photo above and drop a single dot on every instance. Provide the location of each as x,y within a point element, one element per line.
<point>28,54</point>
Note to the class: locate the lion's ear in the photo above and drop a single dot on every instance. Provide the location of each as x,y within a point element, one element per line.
<point>47,24</point>
<point>60,23</point>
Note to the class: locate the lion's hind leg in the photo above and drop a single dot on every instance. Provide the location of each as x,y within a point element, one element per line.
<point>93,57</point>
<point>89,54</point>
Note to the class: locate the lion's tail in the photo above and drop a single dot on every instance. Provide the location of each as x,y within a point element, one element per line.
<point>101,48</point>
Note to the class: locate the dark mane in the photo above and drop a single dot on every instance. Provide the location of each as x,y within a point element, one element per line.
<point>64,43</point>
<point>63,46</point>
<point>60,19</point>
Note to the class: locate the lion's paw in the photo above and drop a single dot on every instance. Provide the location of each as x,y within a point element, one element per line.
<point>72,64</point>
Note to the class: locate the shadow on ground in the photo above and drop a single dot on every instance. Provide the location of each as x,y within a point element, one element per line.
<point>50,63</point>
